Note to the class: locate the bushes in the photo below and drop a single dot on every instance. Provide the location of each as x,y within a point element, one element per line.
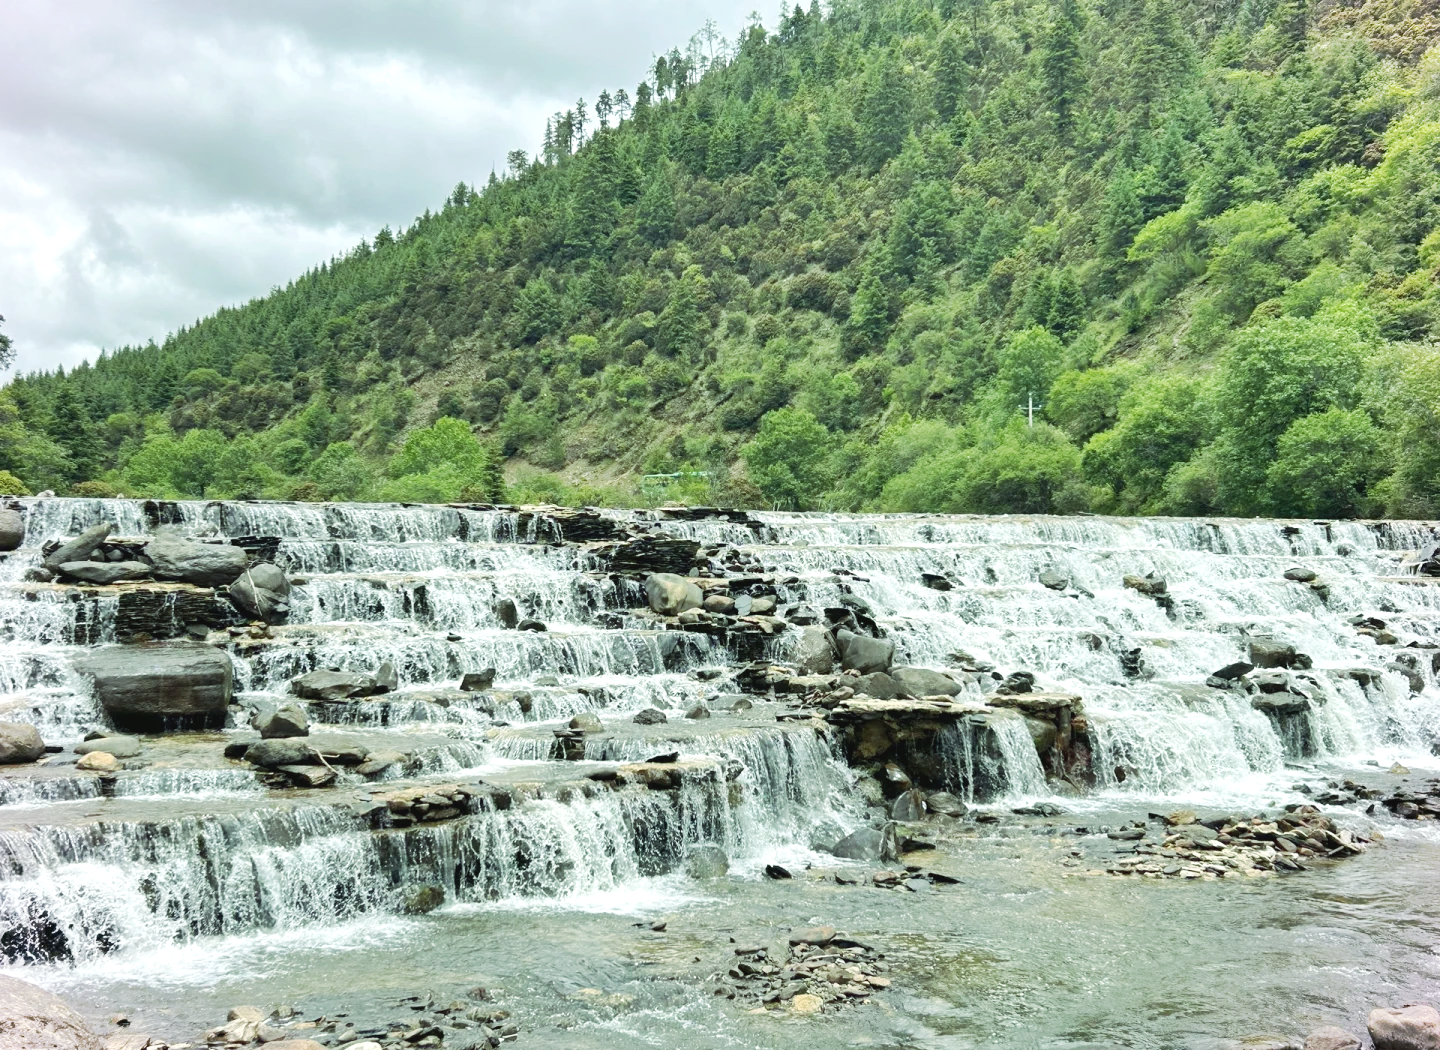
<point>442,463</point>
<point>788,460</point>
<point>1326,466</point>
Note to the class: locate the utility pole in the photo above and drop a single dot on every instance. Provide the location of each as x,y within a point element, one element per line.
<point>1029,409</point>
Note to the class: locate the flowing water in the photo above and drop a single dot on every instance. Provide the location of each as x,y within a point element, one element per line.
<point>188,889</point>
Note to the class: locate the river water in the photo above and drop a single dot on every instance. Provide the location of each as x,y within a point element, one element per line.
<point>197,890</point>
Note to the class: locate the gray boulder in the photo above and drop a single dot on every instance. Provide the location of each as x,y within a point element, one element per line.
<point>869,844</point>
<point>1331,1038</point>
<point>921,681</point>
<point>1412,1027</point>
<point>706,862</point>
<point>909,806</point>
<point>262,592</point>
<point>478,681</point>
<point>816,651</point>
<point>119,746</point>
<point>273,754</point>
<point>698,711</point>
<point>720,604</point>
<point>507,613</point>
<point>104,572</point>
<point>946,804</point>
<point>333,685</point>
<point>1054,581</point>
<point>860,652</point>
<point>422,900</point>
<point>670,595</point>
<point>33,1019</point>
<point>161,685</point>
<point>1265,652</point>
<point>12,530</point>
<point>650,716</point>
<point>286,721</point>
<point>203,564</point>
<point>877,684</point>
<point>1299,575</point>
<point>587,722</point>
<point>19,742</point>
<point>386,678</point>
<point>81,547</point>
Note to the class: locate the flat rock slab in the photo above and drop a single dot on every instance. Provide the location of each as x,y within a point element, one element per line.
<point>161,685</point>
<point>33,1019</point>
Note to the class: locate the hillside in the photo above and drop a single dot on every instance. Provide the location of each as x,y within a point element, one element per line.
<point>827,266</point>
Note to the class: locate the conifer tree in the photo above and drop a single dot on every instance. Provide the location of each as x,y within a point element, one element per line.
<point>1061,62</point>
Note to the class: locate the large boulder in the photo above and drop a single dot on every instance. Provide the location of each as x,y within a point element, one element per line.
<point>80,548</point>
<point>33,1019</point>
<point>815,651</point>
<point>1265,652</point>
<point>333,685</point>
<point>12,530</point>
<point>273,754</point>
<point>1412,1027</point>
<point>670,595</point>
<point>262,592</point>
<point>203,564</point>
<point>119,745</point>
<point>869,844</point>
<point>860,652</point>
<point>286,721</point>
<point>104,572</point>
<point>160,686</point>
<point>921,681</point>
<point>877,684</point>
<point>19,742</point>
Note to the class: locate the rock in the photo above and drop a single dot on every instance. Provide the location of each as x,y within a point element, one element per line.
<point>119,746</point>
<point>80,548</point>
<point>1267,653</point>
<point>775,871</point>
<point>921,681</point>
<point>309,776</point>
<point>762,607</point>
<point>877,684</point>
<point>706,862</point>
<point>859,652</point>
<point>1415,1026</point>
<point>670,595</point>
<point>161,685</point>
<point>869,844</point>
<point>1410,674</point>
<point>203,564</point>
<point>936,582</point>
<point>478,681</point>
<point>386,679</point>
<point>333,685</point>
<point>719,604</point>
<point>286,721</point>
<point>1230,672</point>
<point>587,722</point>
<point>1280,704</point>
<point>530,625</point>
<point>807,1004</point>
<point>1148,584</point>
<point>909,806</point>
<point>262,592</point>
<point>33,1019</point>
<point>733,704</point>
<point>816,936</point>
<point>945,803</point>
<point>698,711</point>
<point>12,530</point>
<point>816,652</point>
<point>507,613</point>
<point>104,573</point>
<point>1331,1038</point>
<point>1054,581</point>
<point>98,762</point>
<point>273,754</point>
<point>1298,575</point>
<point>422,900</point>
<point>377,762</point>
<point>19,742</point>
<point>649,716</point>
<point>295,1044</point>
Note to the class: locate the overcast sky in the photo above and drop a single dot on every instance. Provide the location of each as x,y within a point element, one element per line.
<point>162,158</point>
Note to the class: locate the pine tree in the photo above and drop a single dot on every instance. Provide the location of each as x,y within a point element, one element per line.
<point>655,214</point>
<point>951,75</point>
<point>70,427</point>
<point>1162,184</point>
<point>884,113</point>
<point>1067,307</point>
<point>1061,62</point>
<point>871,311</point>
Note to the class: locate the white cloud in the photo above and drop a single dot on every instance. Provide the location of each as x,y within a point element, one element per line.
<point>162,158</point>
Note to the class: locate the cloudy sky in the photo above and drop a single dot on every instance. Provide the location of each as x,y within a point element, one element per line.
<point>162,158</point>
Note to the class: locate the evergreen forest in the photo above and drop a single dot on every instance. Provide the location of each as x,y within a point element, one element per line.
<point>1029,256</point>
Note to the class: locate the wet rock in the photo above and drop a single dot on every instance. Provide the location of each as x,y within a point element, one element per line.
<point>764,606</point>
<point>869,844</point>
<point>203,564</point>
<point>19,743</point>
<point>161,685</point>
<point>775,871</point>
<point>98,762</point>
<point>936,582</point>
<point>877,684</point>
<point>862,653</point>
<point>1269,653</point>
<point>422,900</point>
<point>531,625</point>
<point>816,936</point>
<point>1280,703</point>
<point>946,804</point>
<point>80,548</point>
<point>910,806</point>
<point>1017,683</point>
<point>655,554</point>
<point>816,652</point>
<point>333,685</point>
<point>386,679</point>
<point>706,862</point>
<point>273,754</point>
<point>1331,1038</point>
<point>921,681</point>
<point>263,592</point>
<point>1054,581</point>
<point>1410,674</point>
<point>587,722</point>
<point>103,573</point>
<point>1148,584</point>
<point>698,711</point>
<point>376,762</point>
<point>297,1044</point>
<point>1412,1027</point>
<point>34,1019</point>
<point>1230,672</point>
<point>649,716</point>
<point>309,776</point>
<point>720,605</point>
<point>12,530</point>
<point>478,681</point>
<point>807,1004</point>
<point>732,703</point>
<point>670,594</point>
<point>286,721</point>
<point>507,613</point>
<point>1299,575</point>
<point>119,746</point>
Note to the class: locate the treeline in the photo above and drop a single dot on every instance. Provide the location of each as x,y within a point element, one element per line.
<point>833,265</point>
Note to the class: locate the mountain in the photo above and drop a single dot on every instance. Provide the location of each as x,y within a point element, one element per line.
<point>828,265</point>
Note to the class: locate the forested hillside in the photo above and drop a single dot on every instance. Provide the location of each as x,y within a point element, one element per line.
<point>825,266</point>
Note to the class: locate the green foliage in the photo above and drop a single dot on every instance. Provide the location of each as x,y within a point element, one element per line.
<point>789,459</point>
<point>1326,465</point>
